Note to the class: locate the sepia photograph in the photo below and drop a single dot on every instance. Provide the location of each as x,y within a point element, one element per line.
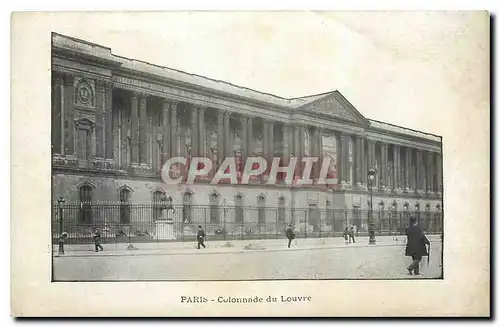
<point>166,170</point>
<point>233,163</point>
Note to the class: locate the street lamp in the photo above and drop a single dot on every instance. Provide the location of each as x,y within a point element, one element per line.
<point>371,179</point>
<point>60,202</point>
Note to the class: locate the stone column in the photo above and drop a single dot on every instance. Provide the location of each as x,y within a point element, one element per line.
<point>286,141</point>
<point>143,120</point>
<point>227,134</point>
<point>291,140</point>
<point>271,141</point>
<point>244,138</point>
<point>220,137</point>
<point>395,169</point>
<point>57,113</point>
<point>69,123</point>
<point>125,139</point>
<point>339,155</point>
<point>419,170</point>
<point>302,140</point>
<point>296,150</point>
<point>194,131</point>
<point>296,136</point>
<point>320,150</point>
<point>134,119</point>
<point>313,148</point>
<point>265,139</point>
<point>174,136</point>
<point>250,146</point>
<point>99,119</point>
<point>439,174</point>
<point>407,169</point>
<point>357,161</point>
<point>202,133</point>
<point>364,161</point>
<point>345,158</point>
<point>152,140</point>
<point>108,108</point>
<point>166,131</point>
<point>370,163</point>
<point>430,182</point>
<point>383,166</point>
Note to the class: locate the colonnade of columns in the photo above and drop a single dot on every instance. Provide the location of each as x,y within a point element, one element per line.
<point>399,168</point>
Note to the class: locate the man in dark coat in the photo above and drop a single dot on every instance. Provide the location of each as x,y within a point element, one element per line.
<point>201,237</point>
<point>97,240</point>
<point>416,245</point>
<point>351,235</point>
<point>290,235</point>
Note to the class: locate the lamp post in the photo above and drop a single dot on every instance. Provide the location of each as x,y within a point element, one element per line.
<point>371,224</point>
<point>60,202</point>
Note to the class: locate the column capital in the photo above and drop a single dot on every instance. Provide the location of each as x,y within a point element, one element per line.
<point>141,95</point>
<point>197,107</point>
<point>173,103</point>
<point>57,77</point>
<point>68,78</point>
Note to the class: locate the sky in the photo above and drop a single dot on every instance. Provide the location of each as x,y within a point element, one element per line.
<point>395,67</point>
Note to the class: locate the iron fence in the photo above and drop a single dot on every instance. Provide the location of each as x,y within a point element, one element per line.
<point>133,223</point>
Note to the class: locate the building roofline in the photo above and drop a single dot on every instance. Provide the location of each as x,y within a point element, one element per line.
<point>287,102</point>
<point>404,128</point>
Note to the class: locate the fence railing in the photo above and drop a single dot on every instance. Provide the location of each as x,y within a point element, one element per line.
<point>132,223</point>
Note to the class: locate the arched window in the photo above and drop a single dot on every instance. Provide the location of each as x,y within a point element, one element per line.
<point>261,202</point>
<point>238,203</point>
<point>281,209</point>
<point>124,206</point>
<point>214,208</point>
<point>187,200</point>
<point>157,204</point>
<point>85,215</point>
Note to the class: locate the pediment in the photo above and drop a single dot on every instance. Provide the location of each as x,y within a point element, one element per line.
<point>335,105</point>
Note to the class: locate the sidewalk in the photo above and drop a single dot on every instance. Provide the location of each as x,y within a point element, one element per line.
<point>232,246</point>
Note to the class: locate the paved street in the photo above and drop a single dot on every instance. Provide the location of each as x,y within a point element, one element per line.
<point>344,262</point>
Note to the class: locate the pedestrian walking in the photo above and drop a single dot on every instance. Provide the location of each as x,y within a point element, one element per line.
<point>290,235</point>
<point>346,235</point>
<point>416,246</point>
<point>201,237</point>
<point>351,235</point>
<point>97,240</point>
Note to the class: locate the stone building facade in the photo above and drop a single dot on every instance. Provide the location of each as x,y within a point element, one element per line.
<point>116,120</point>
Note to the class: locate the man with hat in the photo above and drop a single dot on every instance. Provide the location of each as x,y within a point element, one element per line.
<point>201,237</point>
<point>289,233</point>
<point>415,245</point>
